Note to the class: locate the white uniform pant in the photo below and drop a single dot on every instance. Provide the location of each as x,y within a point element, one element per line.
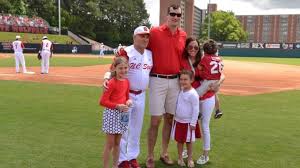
<point>45,61</point>
<point>19,58</point>
<point>130,141</point>
<point>101,54</point>
<point>207,107</point>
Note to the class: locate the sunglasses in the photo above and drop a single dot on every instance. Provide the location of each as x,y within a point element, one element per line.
<point>144,35</point>
<point>193,47</point>
<point>175,14</point>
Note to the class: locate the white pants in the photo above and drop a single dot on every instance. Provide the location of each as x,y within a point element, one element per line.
<point>207,107</point>
<point>204,87</point>
<point>45,61</point>
<point>19,58</point>
<point>130,141</point>
<point>101,53</point>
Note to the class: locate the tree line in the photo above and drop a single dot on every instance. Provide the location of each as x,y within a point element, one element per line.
<point>108,21</point>
<point>113,21</point>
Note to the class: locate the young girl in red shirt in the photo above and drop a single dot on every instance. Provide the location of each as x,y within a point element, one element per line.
<point>115,116</point>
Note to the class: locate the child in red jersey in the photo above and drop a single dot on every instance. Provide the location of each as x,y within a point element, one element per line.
<point>115,116</point>
<point>211,68</point>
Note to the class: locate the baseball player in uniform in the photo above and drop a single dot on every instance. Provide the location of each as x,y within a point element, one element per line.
<point>19,56</point>
<point>140,65</point>
<point>101,54</point>
<point>119,47</point>
<point>46,53</point>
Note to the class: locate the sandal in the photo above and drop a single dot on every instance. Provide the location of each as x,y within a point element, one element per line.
<point>166,160</point>
<point>150,163</point>
<point>191,164</point>
<point>181,163</point>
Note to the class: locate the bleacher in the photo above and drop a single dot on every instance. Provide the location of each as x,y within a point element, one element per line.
<point>25,24</point>
<point>32,29</point>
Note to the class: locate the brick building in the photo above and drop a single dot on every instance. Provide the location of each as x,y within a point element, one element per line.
<point>271,28</point>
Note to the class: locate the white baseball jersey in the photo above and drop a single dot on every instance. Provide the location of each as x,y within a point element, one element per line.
<point>140,66</point>
<point>119,47</point>
<point>101,47</point>
<point>18,46</point>
<point>46,45</point>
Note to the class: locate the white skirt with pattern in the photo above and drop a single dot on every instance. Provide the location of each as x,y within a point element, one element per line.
<point>112,123</point>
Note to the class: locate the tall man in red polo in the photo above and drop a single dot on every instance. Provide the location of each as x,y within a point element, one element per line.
<point>167,44</point>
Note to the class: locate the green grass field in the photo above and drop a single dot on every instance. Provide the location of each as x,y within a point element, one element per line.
<point>35,38</point>
<point>288,61</point>
<point>51,125</point>
<point>31,60</point>
<point>80,61</point>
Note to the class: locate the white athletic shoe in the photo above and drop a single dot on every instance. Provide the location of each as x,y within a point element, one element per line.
<point>184,154</point>
<point>202,160</point>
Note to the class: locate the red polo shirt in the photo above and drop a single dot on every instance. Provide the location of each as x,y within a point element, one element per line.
<point>167,49</point>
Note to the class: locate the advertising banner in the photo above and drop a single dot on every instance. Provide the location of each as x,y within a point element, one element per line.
<point>271,45</point>
<point>244,45</point>
<point>287,45</point>
<point>57,48</point>
<point>229,45</point>
<point>297,46</point>
<point>258,45</point>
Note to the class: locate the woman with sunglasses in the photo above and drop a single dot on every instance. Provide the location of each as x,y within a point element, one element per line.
<point>192,57</point>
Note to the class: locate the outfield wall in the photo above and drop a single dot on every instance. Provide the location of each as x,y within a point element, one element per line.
<point>57,48</point>
<point>257,52</point>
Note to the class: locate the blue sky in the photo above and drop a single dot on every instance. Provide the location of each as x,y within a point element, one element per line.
<point>239,7</point>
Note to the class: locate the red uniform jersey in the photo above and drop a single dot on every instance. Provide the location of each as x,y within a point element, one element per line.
<point>117,93</point>
<point>212,67</point>
<point>197,82</point>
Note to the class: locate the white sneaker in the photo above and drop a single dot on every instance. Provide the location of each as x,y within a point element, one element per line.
<point>202,160</point>
<point>184,154</point>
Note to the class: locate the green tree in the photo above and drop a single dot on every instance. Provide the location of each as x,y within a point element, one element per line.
<point>224,27</point>
<point>108,21</point>
<point>18,7</point>
<point>46,9</point>
<point>5,6</point>
<point>120,17</point>
<point>83,16</point>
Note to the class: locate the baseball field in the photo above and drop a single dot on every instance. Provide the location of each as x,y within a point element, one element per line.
<point>54,120</point>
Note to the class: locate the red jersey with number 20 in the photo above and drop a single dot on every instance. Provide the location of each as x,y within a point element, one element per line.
<point>212,67</point>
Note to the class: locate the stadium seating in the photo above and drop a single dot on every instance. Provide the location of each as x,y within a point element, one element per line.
<point>11,23</point>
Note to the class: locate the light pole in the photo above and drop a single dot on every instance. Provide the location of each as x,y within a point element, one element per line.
<point>208,12</point>
<point>59,21</point>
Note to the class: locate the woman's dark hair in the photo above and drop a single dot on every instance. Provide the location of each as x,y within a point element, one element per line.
<point>186,54</point>
<point>117,61</point>
<point>210,47</point>
<point>187,72</point>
